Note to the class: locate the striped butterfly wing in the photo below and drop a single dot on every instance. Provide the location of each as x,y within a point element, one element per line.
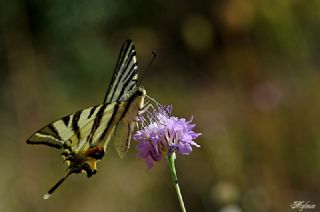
<point>125,76</point>
<point>73,131</point>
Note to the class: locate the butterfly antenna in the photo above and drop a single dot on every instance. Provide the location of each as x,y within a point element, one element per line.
<point>154,55</point>
<point>48,194</point>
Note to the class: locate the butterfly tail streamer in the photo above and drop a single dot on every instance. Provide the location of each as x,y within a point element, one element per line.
<point>53,188</point>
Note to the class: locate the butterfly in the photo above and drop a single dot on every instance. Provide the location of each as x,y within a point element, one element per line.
<point>83,136</point>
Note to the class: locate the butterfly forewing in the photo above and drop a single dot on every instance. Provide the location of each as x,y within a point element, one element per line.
<point>125,77</point>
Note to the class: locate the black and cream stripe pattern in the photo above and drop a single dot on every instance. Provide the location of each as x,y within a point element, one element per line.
<point>125,77</point>
<point>62,130</point>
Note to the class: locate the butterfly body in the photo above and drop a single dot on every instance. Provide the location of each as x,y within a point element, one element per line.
<point>84,135</point>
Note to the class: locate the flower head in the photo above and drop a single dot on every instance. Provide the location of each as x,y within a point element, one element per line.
<point>162,133</point>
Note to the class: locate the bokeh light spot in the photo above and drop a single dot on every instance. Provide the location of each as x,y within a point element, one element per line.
<point>197,32</point>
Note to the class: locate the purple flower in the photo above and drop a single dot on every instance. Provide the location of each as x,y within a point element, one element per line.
<point>162,133</point>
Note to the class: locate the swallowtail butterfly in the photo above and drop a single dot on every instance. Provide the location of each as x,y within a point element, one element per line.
<point>83,136</point>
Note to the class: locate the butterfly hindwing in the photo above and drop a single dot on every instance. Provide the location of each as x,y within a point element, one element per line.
<point>122,137</point>
<point>47,136</point>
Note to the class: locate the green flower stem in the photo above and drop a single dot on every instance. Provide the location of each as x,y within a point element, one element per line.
<point>171,157</point>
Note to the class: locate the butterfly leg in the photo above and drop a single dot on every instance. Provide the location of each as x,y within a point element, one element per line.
<point>145,107</point>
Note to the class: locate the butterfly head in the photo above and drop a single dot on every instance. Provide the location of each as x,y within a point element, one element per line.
<point>141,92</point>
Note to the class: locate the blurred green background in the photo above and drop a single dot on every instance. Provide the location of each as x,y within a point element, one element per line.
<point>247,70</point>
